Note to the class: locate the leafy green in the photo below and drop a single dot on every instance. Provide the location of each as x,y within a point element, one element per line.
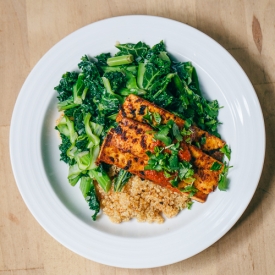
<point>74,174</point>
<point>157,118</point>
<point>223,180</point>
<point>120,60</point>
<point>226,150</point>
<point>138,50</point>
<point>162,135</point>
<point>66,104</point>
<point>63,147</point>
<point>102,59</point>
<point>101,176</point>
<point>203,140</point>
<point>190,189</point>
<point>216,166</point>
<point>186,171</point>
<point>93,201</point>
<point>189,204</point>
<point>85,185</point>
<point>117,80</point>
<point>65,87</point>
<point>121,179</point>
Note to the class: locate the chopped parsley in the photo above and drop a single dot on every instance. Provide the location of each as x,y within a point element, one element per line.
<point>216,166</point>
<point>223,180</point>
<point>226,150</point>
<point>203,140</point>
<point>189,204</point>
<point>191,189</point>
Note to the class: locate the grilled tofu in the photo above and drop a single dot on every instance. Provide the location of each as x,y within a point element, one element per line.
<point>125,146</point>
<point>110,154</point>
<point>139,137</point>
<point>202,160</point>
<point>135,107</point>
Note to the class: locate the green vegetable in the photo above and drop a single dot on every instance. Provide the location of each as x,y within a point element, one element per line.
<point>93,139</point>
<point>85,186</point>
<point>186,171</point>
<point>203,140</point>
<point>102,59</point>
<point>93,201</point>
<point>65,87</point>
<point>223,180</point>
<point>79,89</point>
<point>162,135</point>
<point>66,104</point>
<point>116,79</point>
<point>189,204</point>
<point>190,189</point>
<point>120,60</point>
<point>121,179</point>
<point>216,166</point>
<point>176,132</point>
<point>157,118</point>
<point>74,174</point>
<point>100,175</point>
<point>109,90</point>
<point>63,147</point>
<point>227,151</point>
<point>137,50</point>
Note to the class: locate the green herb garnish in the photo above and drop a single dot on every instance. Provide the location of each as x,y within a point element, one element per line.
<point>227,151</point>
<point>223,180</point>
<point>216,166</point>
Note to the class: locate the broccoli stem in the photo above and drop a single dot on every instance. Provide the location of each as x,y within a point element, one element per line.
<point>120,60</point>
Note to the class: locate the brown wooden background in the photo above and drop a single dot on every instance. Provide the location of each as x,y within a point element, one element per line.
<point>28,28</point>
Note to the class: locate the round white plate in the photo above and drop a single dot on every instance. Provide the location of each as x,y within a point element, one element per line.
<point>61,209</point>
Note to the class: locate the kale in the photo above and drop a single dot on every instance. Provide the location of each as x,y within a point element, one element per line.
<point>108,104</point>
<point>138,50</point>
<point>117,80</point>
<point>70,112</point>
<point>82,143</point>
<point>203,112</point>
<point>65,87</point>
<point>63,147</point>
<point>121,179</point>
<point>78,120</point>
<point>93,201</point>
<point>102,59</point>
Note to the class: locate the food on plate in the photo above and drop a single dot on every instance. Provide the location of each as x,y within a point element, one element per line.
<point>137,134</point>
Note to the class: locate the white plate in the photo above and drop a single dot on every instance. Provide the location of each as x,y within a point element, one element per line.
<point>60,208</point>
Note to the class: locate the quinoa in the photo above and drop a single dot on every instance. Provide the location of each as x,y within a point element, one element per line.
<point>140,199</point>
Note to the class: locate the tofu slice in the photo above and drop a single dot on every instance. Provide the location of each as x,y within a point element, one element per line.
<point>126,146</point>
<point>110,154</point>
<point>132,137</point>
<point>135,108</point>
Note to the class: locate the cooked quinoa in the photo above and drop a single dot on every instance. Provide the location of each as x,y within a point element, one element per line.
<point>140,199</point>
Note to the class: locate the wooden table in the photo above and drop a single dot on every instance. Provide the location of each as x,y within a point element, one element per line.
<point>28,28</point>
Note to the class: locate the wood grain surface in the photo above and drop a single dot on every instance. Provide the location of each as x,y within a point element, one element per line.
<point>29,28</point>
